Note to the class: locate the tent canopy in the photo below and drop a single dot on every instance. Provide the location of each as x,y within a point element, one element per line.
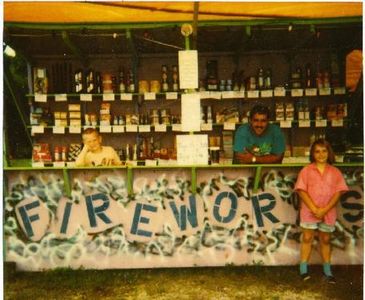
<point>152,12</point>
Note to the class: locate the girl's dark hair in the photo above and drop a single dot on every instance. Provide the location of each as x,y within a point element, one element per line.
<point>323,143</point>
<point>261,110</point>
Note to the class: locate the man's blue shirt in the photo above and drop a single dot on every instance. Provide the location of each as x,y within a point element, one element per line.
<point>271,142</point>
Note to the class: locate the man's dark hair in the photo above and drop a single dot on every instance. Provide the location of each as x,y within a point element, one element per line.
<point>261,110</point>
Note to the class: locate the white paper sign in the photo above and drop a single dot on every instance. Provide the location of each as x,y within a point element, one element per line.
<point>37,129</point>
<point>74,129</point>
<point>40,98</point>
<point>171,96</point>
<point>58,129</point>
<point>204,94</point>
<point>339,90</point>
<point>131,128</point>
<point>190,112</point>
<point>324,91</point>
<point>228,94</point>
<point>86,97</point>
<point>285,124</point>
<point>118,128</point>
<point>206,127</point>
<point>149,96</point>
<point>192,149</point>
<point>252,94</point>
<point>105,128</point>
<point>39,164</point>
<point>126,97</point>
<point>176,127</point>
<point>304,123</point>
<point>61,97</point>
<point>279,92</point>
<point>144,128</point>
<point>337,123</point>
<point>321,123</point>
<point>311,92</point>
<point>215,95</point>
<point>59,164</point>
<point>160,128</point>
<point>229,126</point>
<point>267,94</point>
<point>297,92</point>
<point>108,97</point>
<point>188,69</point>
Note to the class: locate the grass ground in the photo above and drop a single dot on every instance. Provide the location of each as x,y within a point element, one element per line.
<point>246,282</point>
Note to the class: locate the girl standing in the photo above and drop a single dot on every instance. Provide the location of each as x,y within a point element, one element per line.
<point>319,186</point>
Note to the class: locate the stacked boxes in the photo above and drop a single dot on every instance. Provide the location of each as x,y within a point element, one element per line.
<point>105,117</point>
<point>74,115</point>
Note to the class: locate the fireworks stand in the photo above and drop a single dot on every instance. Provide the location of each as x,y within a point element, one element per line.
<point>167,85</point>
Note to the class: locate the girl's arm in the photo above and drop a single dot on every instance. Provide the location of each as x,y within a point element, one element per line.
<point>308,201</point>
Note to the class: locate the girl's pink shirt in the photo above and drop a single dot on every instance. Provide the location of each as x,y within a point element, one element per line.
<point>320,188</point>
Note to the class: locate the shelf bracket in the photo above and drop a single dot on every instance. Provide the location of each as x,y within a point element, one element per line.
<point>130,181</point>
<point>67,182</point>
<point>257,179</point>
<point>74,49</point>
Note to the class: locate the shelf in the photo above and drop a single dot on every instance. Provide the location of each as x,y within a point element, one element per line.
<point>25,165</point>
<point>204,95</point>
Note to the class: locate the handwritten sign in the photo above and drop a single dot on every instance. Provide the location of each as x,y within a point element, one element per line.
<point>40,98</point>
<point>144,128</point>
<point>279,92</point>
<point>188,69</point>
<point>149,96</point>
<point>325,92</point>
<point>160,128</point>
<point>37,129</point>
<point>337,123</point>
<point>267,94</point>
<point>108,97</point>
<point>190,112</point>
<point>131,128</point>
<point>285,124</point>
<point>176,127</point>
<point>252,94</point>
<point>58,129</point>
<point>310,92</point>
<point>304,123</point>
<point>297,92</point>
<point>118,128</point>
<point>192,149</point>
<point>126,97</point>
<point>74,129</point>
<point>321,123</point>
<point>206,127</point>
<point>171,96</point>
<point>105,128</point>
<point>86,97</point>
<point>60,97</point>
<point>229,126</point>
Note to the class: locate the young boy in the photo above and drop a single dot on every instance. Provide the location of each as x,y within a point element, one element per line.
<point>94,154</point>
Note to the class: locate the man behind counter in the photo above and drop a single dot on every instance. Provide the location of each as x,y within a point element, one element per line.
<point>258,141</point>
<point>93,154</point>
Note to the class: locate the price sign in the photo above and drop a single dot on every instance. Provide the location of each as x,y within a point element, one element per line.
<point>59,164</point>
<point>204,95</point>
<point>311,92</point>
<point>74,129</point>
<point>206,127</point>
<point>149,96</point>
<point>160,128</point>
<point>229,126</point>
<point>171,96</point>
<point>297,92</point>
<point>321,123</point>
<point>131,128</point>
<point>108,97</point>
<point>286,124</point>
<point>126,97</point>
<point>324,91</point>
<point>58,130</point>
<point>37,129</point>
<point>304,123</point>
<point>337,123</point>
<point>144,128</point>
<point>279,92</point>
<point>239,94</point>
<point>216,95</point>
<point>60,97</point>
<point>118,128</point>
<point>86,97</point>
<point>38,164</point>
<point>40,98</point>
<point>267,94</point>
<point>105,128</point>
<point>228,95</point>
<point>176,127</point>
<point>339,91</point>
<point>252,94</point>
